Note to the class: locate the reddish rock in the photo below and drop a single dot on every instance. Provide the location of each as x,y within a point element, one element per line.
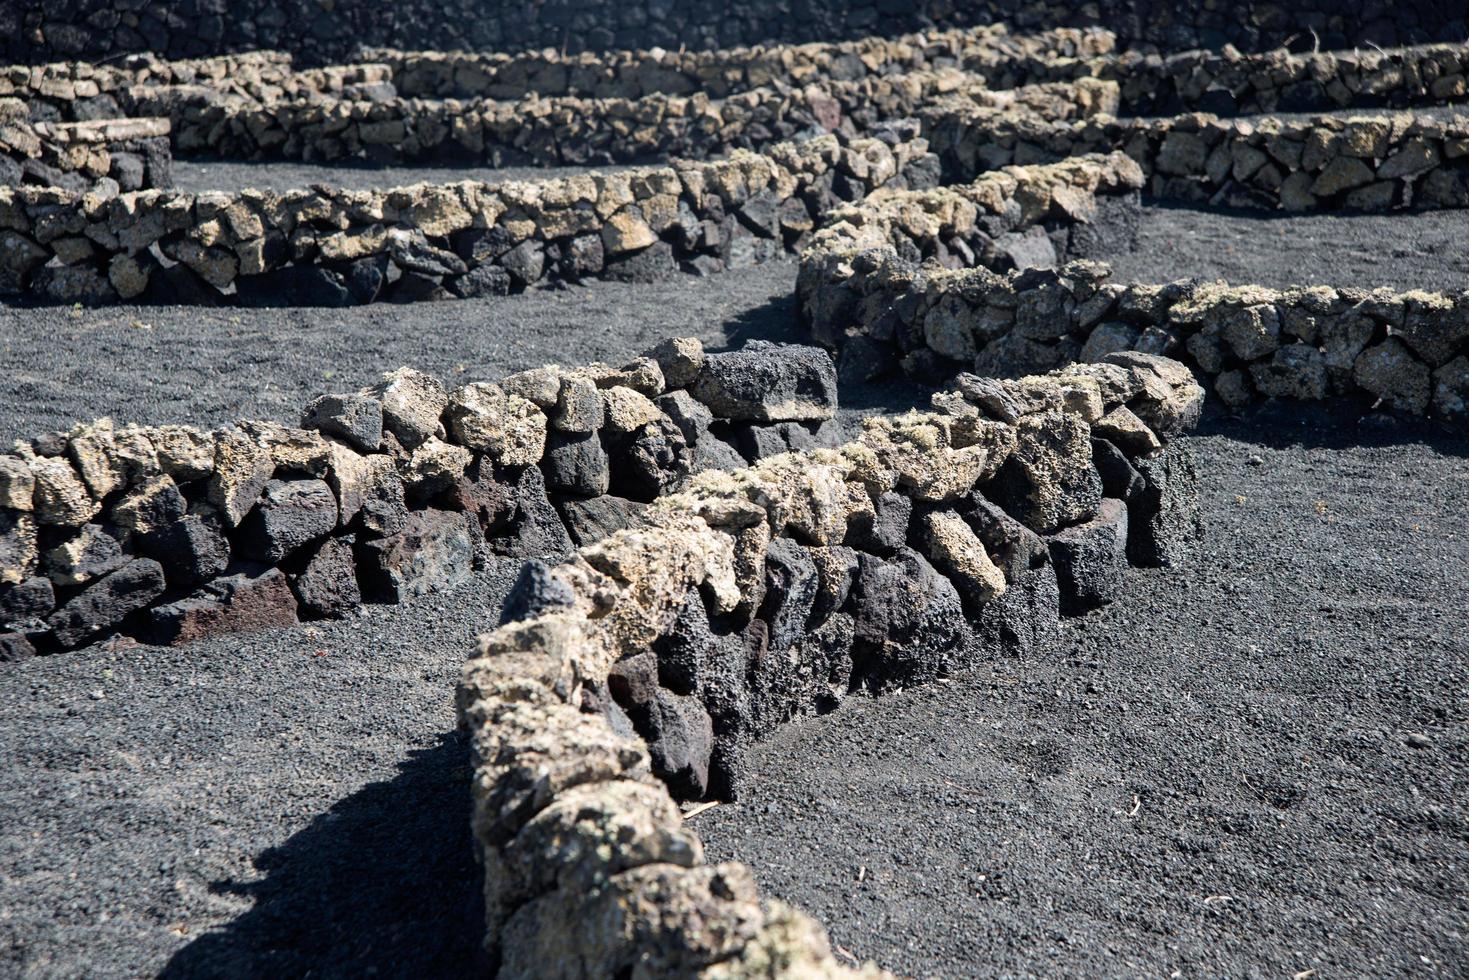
<point>254,598</point>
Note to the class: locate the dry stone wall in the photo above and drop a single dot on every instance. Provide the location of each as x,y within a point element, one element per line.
<point>1231,82</point>
<point>324,246</point>
<point>1364,163</point>
<point>105,29</point>
<point>171,533</point>
<point>103,158</point>
<point>640,669</point>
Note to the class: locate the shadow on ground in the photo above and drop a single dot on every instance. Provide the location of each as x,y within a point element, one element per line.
<point>382,884</point>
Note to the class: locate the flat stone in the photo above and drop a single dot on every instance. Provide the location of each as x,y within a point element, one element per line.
<point>412,403</point>
<point>591,520</point>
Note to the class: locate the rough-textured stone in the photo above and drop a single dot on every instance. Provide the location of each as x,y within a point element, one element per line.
<point>1090,558</point>
<point>680,359</point>
<point>1049,482</point>
<point>536,590</point>
<point>765,382</point>
<point>578,406</point>
<point>790,592</point>
<point>536,530</point>
<point>1165,524</point>
<point>355,419</point>
<point>191,550</point>
<point>433,551</point>
<point>650,461</point>
<point>910,624</point>
<point>291,514</point>
<point>254,598</point>
<point>591,520</point>
<point>691,416</point>
<point>412,403</point>
<point>327,585</point>
<point>60,496</point>
<point>90,554</point>
<point>242,468</point>
<point>26,603</point>
<point>576,464</point>
<point>957,551</point>
<point>884,529</point>
<point>509,428</point>
<point>1390,372</point>
<point>108,601</point>
<point>150,506</point>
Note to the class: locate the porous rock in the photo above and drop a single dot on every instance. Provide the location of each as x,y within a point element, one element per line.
<point>766,382</point>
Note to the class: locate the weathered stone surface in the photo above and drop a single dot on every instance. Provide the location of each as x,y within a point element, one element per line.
<point>576,464</point>
<point>1119,478</point>
<point>327,586</point>
<point>433,468</point>
<point>591,520</point>
<point>355,419</point>
<point>649,265</point>
<point>765,382</point>
<point>539,386</point>
<point>108,601</point>
<point>1390,372</point>
<point>290,515</point>
<point>254,598</point>
<point>15,647</point>
<point>626,411</point>
<point>756,442</point>
<point>535,591</point>
<point>242,468</point>
<point>1295,371</point>
<point>680,359</point>
<point>680,739</point>
<point>958,553</point>
<point>1049,482</point>
<point>836,570</point>
<point>791,584</point>
<point>90,554</point>
<point>910,624</point>
<point>1165,523</point>
<point>642,374</point>
<point>191,550</point>
<point>691,416</point>
<point>651,461</point>
<point>884,529</point>
<point>17,484</point>
<point>1451,389</point>
<point>25,604</point>
<point>536,530</point>
<point>509,428</point>
<point>1025,620</point>
<point>433,551</point>
<point>369,491</point>
<point>578,405</point>
<point>150,506</point>
<point>60,498</point>
<point>18,546</point>
<point>412,403</point>
<point>1090,558</point>
<point>1013,547</point>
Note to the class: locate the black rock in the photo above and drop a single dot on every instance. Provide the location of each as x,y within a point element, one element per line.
<point>290,514</point>
<point>24,604</point>
<point>15,647</point>
<point>483,280</point>
<point>355,419</point>
<point>756,442</point>
<point>652,264</point>
<point>909,622</point>
<point>191,551</point>
<point>576,463</point>
<point>536,530</point>
<point>327,587</point>
<point>584,256</point>
<point>680,737</point>
<point>591,520</point>
<point>765,382</point>
<point>1014,547</point>
<point>649,463</point>
<point>413,253</point>
<point>690,415</point>
<point>91,554</point>
<point>433,551</point>
<point>683,650</point>
<point>1166,526</point>
<point>633,682</point>
<point>1119,478</point>
<point>525,262</point>
<point>107,602</point>
<point>790,591</point>
<point>255,597</point>
<point>836,570</point>
<point>713,453</point>
<point>1025,619</point>
<point>1090,558</point>
<point>294,285</point>
<point>886,529</point>
<point>365,278</point>
<point>535,591</point>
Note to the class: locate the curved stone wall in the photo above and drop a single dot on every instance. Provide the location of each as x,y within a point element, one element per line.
<point>642,666</point>
<point>96,29</point>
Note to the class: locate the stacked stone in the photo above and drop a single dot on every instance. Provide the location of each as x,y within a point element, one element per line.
<point>1230,82</point>
<point>1019,217</point>
<point>1362,163</point>
<point>323,246</point>
<point>1406,351</point>
<point>101,158</point>
<point>933,543</point>
<point>171,532</point>
<point>721,73</point>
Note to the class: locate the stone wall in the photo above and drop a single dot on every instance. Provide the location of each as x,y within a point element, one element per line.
<point>170,533</point>
<point>323,246</point>
<point>1231,82</point>
<point>1367,163</point>
<point>1406,351</point>
<point>101,158</point>
<point>641,669</point>
<point>96,29</point>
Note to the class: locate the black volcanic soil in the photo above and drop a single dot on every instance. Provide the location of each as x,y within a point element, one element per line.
<point>1258,766</point>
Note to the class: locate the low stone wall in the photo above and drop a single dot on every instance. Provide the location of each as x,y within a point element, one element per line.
<point>323,246</point>
<point>573,130</point>
<point>102,158</point>
<point>170,533</point>
<point>1229,82</point>
<point>1366,163</point>
<point>641,668</point>
<point>1406,351</point>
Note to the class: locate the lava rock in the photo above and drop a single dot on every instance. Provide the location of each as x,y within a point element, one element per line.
<point>536,530</point>
<point>652,264</point>
<point>254,598</point>
<point>790,592</point>
<point>766,382</point>
<point>291,514</point>
<point>535,591</point>
<point>910,624</point>
<point>433,551</point>
<point>680,737</point>
<point>1090,558</point>
<point>91,553</point>
<point>355,419</point>
<point>576,463</point>
<point>191,550</point>
<point>1025,620</point>
<point>885,530</point>
<point>1165,522</point>
<point>26,603</point>
<point>1119,478</point>
<point>15,647</point>
<point>292,285</point>
<point>1049,481</point>
<point>691,416</point>
<point>756,442</point>
<point>593,519</point>
<point>484,280</point>
<point>107,602</point>
<point>654,459</point>
<point>327,587</point>
<point>836,570</point>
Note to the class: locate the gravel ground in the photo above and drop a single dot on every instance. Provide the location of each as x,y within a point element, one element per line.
<point>233,175</point>
<point>1257,767</point>
<point>210,366</point>
<point>1406,250</point>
